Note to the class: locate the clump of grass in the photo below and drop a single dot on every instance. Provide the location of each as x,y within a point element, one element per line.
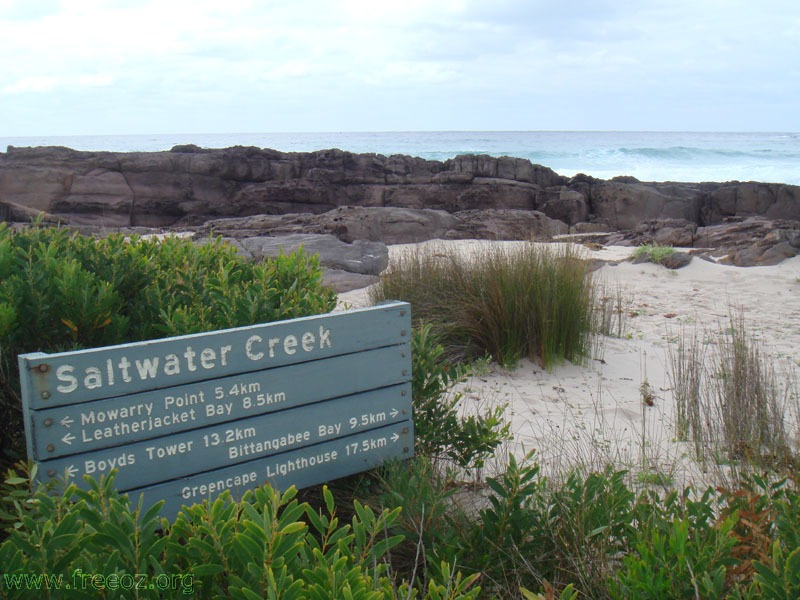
<point>653,252</point>
<point>613,308</point>
<point>730,401</point>
<point>686,373</point>
<point>746,396</point>
<point>513,302</point>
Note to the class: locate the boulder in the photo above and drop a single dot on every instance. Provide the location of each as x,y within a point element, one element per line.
<point>624,205</point>
<point>366,257</point>
<point>771,200</point>
<point>667,232</point>
<point>739,232</point>
<point>387,224</point>
<point>676,260</point>
<point>497,224</point>
<point>758,255</point>
<point>10,212</point>
<point>563,204</point>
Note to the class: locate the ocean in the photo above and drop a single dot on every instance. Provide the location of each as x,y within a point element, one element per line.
<point>648,156</point>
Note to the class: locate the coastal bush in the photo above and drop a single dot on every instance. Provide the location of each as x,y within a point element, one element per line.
<point>509,302</point>
<point>61,291</point>
<point>420,534</point>
<point>266,545</point>
<point>439,429</point>
<point>521,531</point>
<point>653,252</point>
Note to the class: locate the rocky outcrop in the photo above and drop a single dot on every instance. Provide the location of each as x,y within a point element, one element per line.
<point>398,225</point>
<point>190,185</point>
<point>250,192</point>
<point>744,242</point>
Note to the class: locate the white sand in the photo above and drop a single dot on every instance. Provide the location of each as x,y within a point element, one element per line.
<point>594,414</point>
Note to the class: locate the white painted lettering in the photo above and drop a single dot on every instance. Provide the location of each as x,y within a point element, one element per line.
<point>207,358</point>
<point>147,368</point>
<point>248,348</point>
<point>289,344</point>
<point>93,378</point>
<point>324,337</point>
<point>190,354</point>
<point>223,353</point>
<point>110,371</point>
<point>172,365</point>
<point>308,341</point>
<point>124,364</point>
<point>63,374</point>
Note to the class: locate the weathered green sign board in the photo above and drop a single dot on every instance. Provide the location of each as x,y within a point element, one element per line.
<point>182,419</point>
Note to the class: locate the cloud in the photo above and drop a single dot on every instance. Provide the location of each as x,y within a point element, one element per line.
<point>358,64</point>
<point>38,84</point>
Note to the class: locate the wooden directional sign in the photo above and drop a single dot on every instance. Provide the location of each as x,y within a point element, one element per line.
<point>97,424</point>
<point>229,406</point>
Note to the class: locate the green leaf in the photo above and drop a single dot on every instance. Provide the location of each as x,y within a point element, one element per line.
<point>292,528</point>
<point>328,496</point>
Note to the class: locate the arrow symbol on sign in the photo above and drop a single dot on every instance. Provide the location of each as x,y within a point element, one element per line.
<point>67,439</point>
<point>72,471</point>
<point>66,421</point>
<point>395,437</point>
<point>394,413</point>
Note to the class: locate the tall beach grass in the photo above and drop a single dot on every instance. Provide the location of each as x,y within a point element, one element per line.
<point>510,301</point>
<point>730,400</point>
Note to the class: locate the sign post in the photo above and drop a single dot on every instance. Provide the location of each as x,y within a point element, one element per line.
<point>294,402</point>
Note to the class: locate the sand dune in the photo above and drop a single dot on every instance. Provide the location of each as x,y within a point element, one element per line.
<point>595,413</point>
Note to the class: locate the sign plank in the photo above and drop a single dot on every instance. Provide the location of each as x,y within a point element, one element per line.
<point>160,459</point>
<point>301,468</point>
<point>67,430</point>
<point>66,378</point>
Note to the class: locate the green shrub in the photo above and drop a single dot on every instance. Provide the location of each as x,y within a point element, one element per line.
<point>442,520</point>
<point>438,428</point>
<point>517,533</point>
<point>653,252</point>
<point>61,291</point>
<point>590,534</point>
<point>265,546</point>
<point>529,301</point>
<point>426,495</point>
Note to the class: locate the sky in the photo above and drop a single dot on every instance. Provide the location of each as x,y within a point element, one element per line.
<point>94,67</point>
